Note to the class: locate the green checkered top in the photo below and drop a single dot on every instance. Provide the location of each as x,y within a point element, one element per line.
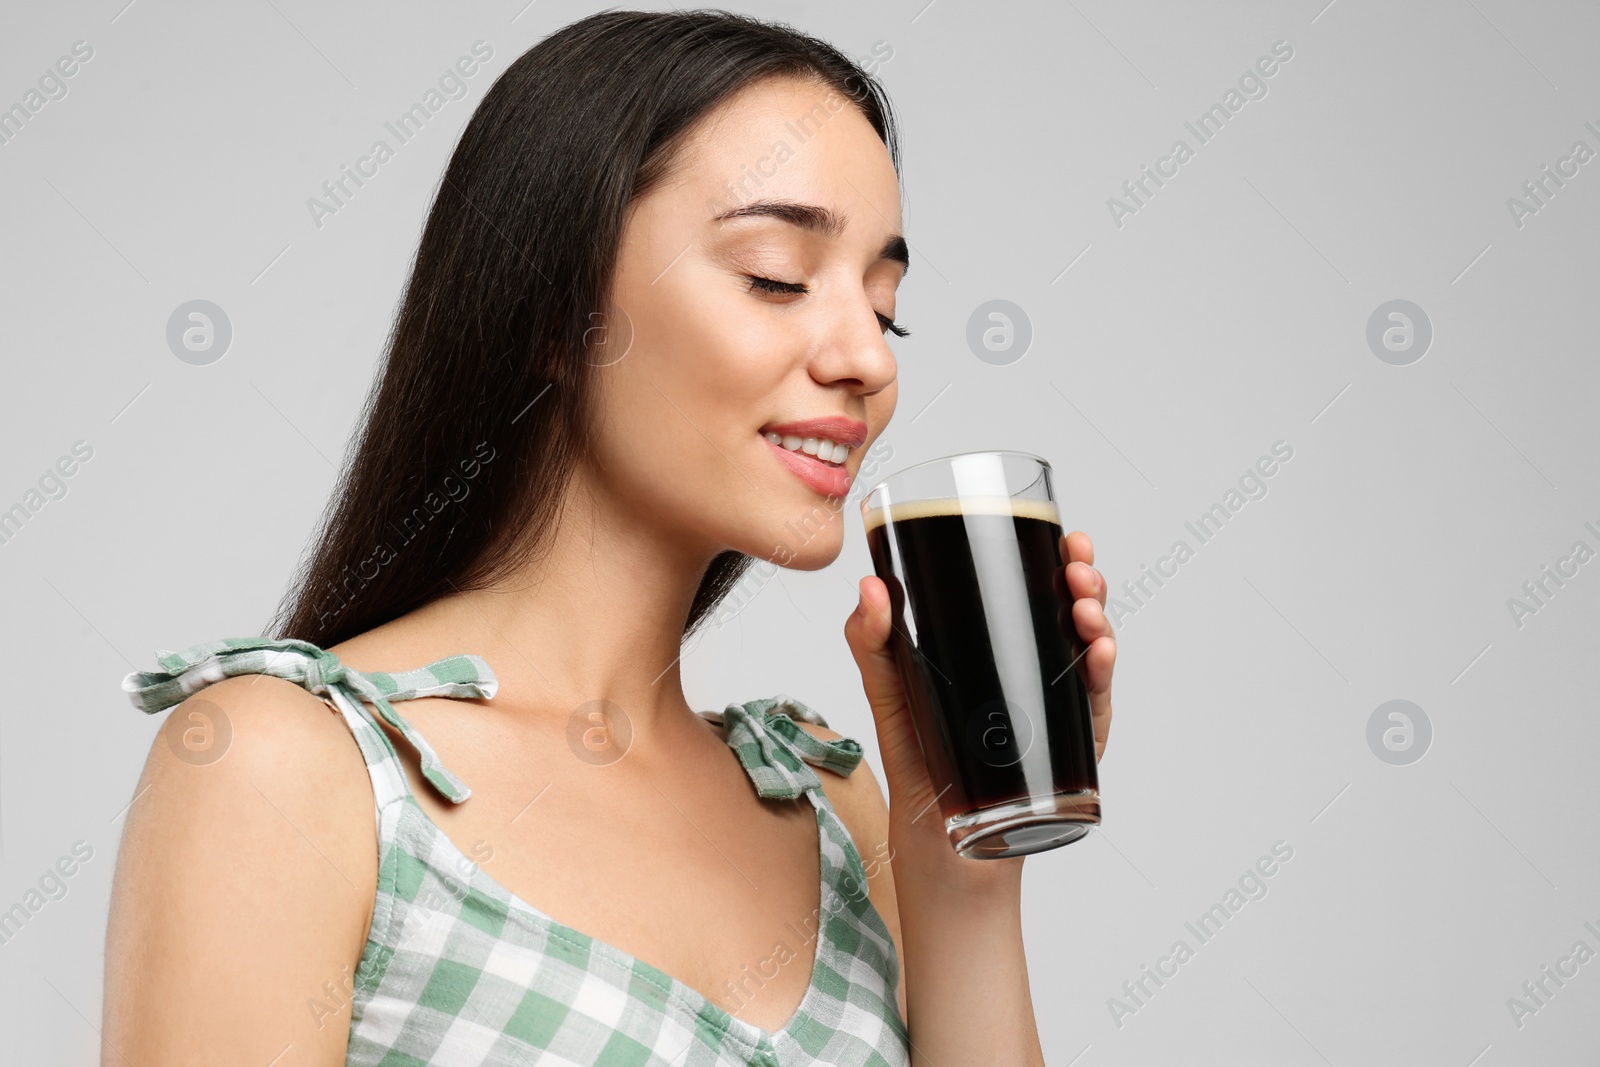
<point>457,970</point>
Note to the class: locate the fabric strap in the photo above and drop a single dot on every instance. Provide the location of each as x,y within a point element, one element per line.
<point>187,672</point>
<point>775,751</point>
<point>764,733</point>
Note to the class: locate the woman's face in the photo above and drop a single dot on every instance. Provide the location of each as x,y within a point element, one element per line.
<point>703,364</point>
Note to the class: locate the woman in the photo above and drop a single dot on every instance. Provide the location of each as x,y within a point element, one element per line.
<point>666,246</point>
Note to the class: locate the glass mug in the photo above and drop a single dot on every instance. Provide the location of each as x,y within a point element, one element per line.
<point>968,547</point>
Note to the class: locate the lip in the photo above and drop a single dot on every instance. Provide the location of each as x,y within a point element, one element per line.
<point>836,428</point>
<point>821,477</point>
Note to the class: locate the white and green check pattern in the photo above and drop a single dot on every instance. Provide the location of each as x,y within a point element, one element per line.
<point>457,970</point>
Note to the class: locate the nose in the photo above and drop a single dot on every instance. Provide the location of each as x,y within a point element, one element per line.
<point>854,351</point>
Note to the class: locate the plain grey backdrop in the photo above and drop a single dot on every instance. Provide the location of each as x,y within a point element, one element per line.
<point>1421,544</point>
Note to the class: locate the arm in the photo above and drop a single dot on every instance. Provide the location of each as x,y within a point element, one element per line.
<point>967,996</point>
<point>243,888</point>
<point>956,924</point>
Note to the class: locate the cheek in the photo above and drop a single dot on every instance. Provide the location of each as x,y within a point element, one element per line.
<point>881,406</point>
<point>716,355</point>
<point>678,443</point>
<point>677,424</point>
<point>647,449</point>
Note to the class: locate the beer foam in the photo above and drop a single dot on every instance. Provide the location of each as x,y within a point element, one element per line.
<point>967,505</point>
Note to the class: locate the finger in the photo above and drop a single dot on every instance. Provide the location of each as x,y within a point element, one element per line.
<point>1084,582</point>
<point>1067,602</point>
<point>1077,546</point>
<point>1077,581</point>
<point>1089,620</point>
<point>867,632</point>
<point>1098,664</point>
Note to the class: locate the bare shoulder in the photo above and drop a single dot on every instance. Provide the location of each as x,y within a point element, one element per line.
<point>857,796</point>
<point>249,850</point>
<point>247,754</point>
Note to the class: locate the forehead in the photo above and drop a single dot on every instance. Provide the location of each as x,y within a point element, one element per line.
<point>791,138</point>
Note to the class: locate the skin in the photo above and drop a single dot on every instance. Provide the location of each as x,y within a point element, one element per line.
<point>245,886</point>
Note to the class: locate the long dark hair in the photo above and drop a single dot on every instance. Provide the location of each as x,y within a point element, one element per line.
<point>475,424</point>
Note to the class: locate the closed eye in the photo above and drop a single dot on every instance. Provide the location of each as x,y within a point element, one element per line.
<point>773,285</point>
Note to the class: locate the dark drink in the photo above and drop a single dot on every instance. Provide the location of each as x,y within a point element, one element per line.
<point>990,662</point>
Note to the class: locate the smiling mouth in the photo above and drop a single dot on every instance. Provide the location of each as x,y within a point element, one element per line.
<point>819,448</point>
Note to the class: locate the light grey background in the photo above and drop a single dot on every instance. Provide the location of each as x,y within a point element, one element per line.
<point>1168,354</point>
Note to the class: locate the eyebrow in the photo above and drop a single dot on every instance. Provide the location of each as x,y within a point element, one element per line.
<point>816,219</point>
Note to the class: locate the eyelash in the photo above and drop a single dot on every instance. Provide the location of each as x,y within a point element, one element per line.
<point>772,285</point>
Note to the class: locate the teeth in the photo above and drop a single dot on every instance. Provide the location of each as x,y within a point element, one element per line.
<point>821,447</point>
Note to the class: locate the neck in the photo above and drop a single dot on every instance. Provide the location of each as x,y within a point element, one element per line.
<point>598,616</point>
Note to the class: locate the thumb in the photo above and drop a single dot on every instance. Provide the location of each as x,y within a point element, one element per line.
<point>867,631</point>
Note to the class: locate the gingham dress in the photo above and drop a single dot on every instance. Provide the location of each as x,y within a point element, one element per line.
<point>457,970</point>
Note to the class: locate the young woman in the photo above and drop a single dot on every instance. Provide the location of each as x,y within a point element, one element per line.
<point>666,247</point>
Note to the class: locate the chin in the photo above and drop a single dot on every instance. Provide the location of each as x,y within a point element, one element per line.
<point>807,539</point>
<point>817,554</point>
